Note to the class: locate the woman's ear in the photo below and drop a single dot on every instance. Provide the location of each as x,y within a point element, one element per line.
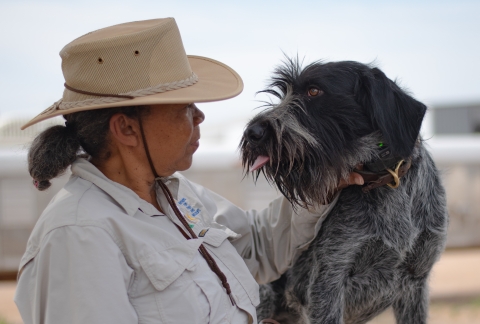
<point>124,130</point>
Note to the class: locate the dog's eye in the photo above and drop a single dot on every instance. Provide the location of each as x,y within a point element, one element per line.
<point>314,92</point>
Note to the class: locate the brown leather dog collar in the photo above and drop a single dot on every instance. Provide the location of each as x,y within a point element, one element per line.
<point>388,177</point>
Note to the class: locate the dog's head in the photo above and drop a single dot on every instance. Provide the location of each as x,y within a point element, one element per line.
<point>329,117</point>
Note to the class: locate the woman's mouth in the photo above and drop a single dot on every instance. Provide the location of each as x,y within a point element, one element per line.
<point>195,144</point>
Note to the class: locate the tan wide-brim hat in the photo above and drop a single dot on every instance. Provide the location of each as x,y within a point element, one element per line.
<point>134,64</point>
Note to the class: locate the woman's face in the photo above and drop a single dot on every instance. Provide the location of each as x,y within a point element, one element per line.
<point>172,133</point>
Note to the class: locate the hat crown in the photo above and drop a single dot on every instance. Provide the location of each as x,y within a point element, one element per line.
<point>125,58</point>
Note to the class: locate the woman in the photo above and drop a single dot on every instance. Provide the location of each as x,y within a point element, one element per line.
<point>128,240</point>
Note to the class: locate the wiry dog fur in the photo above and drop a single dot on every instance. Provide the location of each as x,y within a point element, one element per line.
<point>375,249</point>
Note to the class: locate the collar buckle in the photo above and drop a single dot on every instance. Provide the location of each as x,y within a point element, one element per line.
<point>396,178</point>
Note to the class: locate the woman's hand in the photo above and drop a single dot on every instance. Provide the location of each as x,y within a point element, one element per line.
<point>354,178</point>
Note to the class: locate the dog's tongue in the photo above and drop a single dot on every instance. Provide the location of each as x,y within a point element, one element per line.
<point>259,162</point>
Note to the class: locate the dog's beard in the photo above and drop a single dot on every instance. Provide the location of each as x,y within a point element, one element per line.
<point>301,172</point>
<point>291,168</point>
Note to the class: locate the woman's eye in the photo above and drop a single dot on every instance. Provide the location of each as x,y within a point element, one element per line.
<point>314,92</point>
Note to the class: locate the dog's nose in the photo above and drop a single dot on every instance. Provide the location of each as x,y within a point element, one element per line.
<point>254,133</point>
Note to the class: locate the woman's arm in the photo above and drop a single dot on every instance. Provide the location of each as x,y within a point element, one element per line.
<point>272,239</point>
<point>79,276</point>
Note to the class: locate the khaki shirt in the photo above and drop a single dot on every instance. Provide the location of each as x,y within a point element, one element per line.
<point>100,254</point>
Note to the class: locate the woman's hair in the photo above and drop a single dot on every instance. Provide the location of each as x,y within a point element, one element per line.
<point>84,133</point>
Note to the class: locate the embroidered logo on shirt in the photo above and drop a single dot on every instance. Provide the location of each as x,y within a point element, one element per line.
<point>188,211</point>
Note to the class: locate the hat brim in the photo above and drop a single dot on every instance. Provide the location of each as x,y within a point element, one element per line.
<point>216,81</point>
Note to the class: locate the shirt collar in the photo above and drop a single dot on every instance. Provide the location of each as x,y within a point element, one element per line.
<point>172,183</point>
<point>124,196</point>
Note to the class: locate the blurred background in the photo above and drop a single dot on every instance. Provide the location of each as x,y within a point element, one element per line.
<point>430,47</point>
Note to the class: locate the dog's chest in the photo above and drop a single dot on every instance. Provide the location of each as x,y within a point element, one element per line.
<point>384,215</point>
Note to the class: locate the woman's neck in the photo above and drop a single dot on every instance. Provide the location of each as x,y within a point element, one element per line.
<point>131,173</point>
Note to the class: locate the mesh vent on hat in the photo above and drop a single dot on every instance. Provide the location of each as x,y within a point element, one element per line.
<point>114,64</point>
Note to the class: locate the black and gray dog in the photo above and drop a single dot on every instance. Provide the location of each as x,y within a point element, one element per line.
<point>379,243</point>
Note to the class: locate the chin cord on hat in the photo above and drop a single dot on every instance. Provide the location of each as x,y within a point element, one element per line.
<point>203,251</point>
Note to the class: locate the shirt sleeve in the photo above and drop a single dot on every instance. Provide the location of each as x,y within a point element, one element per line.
<point>79,276</point>
<point>272,239</point>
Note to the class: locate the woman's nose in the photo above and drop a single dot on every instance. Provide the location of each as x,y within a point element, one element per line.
<point>198,115</point>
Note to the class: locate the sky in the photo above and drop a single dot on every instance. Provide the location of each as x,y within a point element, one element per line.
<point>432,48</point>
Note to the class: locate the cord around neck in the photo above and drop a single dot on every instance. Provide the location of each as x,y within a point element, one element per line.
<point>171,201</point>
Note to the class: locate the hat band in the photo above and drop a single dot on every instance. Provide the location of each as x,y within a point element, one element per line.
<point>111,98</point>
<point>95,93</point>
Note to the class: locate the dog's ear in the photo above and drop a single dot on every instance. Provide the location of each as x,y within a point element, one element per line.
<point>396,114</point>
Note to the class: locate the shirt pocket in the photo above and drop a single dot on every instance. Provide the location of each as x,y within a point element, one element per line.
<point>214,236</point>
<point>164,267</point>
<point>176,296</point>
<point>228,255</point>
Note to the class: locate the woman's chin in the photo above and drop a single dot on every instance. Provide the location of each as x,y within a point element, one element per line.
<point>185,164</point>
